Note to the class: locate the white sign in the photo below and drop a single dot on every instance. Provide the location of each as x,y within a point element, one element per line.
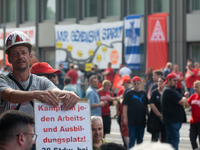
<point>30,31</point>
<point>86,45</point>
<point>58,129</point>
<point>157,34</point>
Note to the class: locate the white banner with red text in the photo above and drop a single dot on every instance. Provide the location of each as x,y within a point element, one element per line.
<point>60,129</point>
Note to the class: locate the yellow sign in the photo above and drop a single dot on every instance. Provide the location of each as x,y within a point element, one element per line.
<point>59,45</point>
<point>91,52</point>
<point>80,53</point>
<point>98,57</point>
<point>69,48</point>
<point>104,49</point>
<point>88,66</point>
<point>98,43</point>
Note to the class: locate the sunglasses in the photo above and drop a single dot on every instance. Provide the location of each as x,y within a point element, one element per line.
<point>136,83</point>
<point>49,76</point>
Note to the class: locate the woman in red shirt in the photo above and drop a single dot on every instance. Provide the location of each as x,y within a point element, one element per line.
<point>194,102</point>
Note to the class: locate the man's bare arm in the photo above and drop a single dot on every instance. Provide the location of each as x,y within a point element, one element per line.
<point>101,104</point>
<point>106,73</point>
<point>125,109</point>
<point>18,96</point>
<point>51,97</point>
<point>183,101</point>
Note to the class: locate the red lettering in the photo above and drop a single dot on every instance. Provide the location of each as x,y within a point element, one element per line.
<point>59,118</point>
<point>72,118</point>
<point>40,108</point>
<point>62,129</point>
<point>45,140</point>
<point>50,129</point>
<point>47,119</point>
<point>30,33</point>
<point>43,119</point>
<point>67,140</point>
<point>64,140</point>
<point>80,108</point>
<point>1,35</point>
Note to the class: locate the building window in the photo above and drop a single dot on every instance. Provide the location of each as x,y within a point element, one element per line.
<point>48,55</point>
<point>49,8</point>
<point>90,8</point>
<point>195,52</point>
<point>29,10</point>
<point>69,9</point>
<point>136,7</point>
<point>10,7</point>
<point>161,6</point>
<point>113,7</point>
<point>195,5</point>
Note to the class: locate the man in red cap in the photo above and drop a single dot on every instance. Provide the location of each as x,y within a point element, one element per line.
<point>126,82</point>
<point>173,113</point>
<point>44,69</point>
<point>134,112</point>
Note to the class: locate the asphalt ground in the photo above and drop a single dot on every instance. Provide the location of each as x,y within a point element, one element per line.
<point>115,135</point>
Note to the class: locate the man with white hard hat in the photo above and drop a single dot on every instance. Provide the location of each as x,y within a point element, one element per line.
<point>20,87</point>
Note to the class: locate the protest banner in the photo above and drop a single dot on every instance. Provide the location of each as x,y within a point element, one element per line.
<point>86,45</point>
<point>58,129</point>
<point>157,41</point>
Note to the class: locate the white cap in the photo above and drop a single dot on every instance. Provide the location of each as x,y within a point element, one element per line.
<point>75,66</point>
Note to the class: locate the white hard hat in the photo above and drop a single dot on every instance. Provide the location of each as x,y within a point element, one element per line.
<point>17,38</point>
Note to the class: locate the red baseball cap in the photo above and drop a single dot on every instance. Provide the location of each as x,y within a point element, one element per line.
<point>43,67</point>
<point>169,76</point>
<point>125,79</point>
<point>136,79</point>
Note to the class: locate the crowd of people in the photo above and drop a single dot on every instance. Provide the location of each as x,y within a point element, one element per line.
<point>168,96</point>
<point>164,91</point>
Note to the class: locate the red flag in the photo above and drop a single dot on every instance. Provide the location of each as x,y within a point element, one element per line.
<point>157,48</point>
<point>117,82</point>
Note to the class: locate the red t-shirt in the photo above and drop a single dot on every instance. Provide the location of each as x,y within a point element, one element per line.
<point>189,79</point>
<point>73,75</point>
<point>105,111</point>
<point>194,101</point>
<point>110,76</point>
<point>178,75</point>
<point>198,70</point>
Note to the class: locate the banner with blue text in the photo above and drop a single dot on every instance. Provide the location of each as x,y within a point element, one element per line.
<point>86,45</point>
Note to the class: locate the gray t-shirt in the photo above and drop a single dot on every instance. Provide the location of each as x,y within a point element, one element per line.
<point>38,84</point>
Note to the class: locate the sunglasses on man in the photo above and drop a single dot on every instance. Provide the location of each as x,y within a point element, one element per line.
<point>49,76</point>
<point>136,83</point>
